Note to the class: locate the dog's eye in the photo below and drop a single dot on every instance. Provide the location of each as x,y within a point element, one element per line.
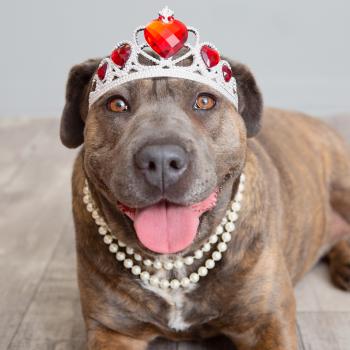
<point>205,102</point>
<point>117,104</point>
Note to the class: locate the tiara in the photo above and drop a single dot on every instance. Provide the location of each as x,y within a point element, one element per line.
<point>166,51</point>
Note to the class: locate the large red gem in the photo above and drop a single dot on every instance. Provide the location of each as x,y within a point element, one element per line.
<point>166,38</point>
<point>121,55</point>
<point>101,71</point>
<point>210,56</point>
<point>227,73</point>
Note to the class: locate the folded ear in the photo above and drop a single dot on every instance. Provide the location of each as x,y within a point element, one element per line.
<point>76,107</point>
<point>250,102</point>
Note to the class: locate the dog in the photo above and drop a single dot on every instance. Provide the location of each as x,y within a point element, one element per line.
<point>164,145</point>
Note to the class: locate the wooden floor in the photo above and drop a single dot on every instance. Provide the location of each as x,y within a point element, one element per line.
<point>39,302</point>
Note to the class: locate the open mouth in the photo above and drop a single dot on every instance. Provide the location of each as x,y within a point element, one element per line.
<point>168,228</point>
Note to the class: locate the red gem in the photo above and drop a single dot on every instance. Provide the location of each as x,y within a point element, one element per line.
<point>101,71</point>
<point>166,38</point>
<point>227,73</point>
<point>210,56</point>
<point>121,55</point>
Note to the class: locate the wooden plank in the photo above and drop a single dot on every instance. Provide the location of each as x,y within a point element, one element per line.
<point>221,343</point>
<point>317,293</point>
<point>53,319</point>
<point>34,205</point>
<point>163,344</point>
<point>18,138</point>
<point>325,330</point>
<point>300,339</point>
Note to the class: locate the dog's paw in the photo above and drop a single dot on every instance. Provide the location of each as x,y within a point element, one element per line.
<point>340,273</point>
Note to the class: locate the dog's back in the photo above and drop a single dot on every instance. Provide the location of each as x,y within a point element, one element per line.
<point>313,163</point>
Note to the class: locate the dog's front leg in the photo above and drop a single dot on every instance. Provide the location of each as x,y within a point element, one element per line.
<point>277,333</point>
<point>100,338</point>
<point>275,327</point>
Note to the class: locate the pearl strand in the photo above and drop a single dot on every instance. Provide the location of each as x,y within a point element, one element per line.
<point>132,260</point>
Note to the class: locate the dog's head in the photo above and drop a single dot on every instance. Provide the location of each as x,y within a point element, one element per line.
<point>159,149</point>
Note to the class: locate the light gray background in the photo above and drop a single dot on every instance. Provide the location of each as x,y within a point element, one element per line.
<point>299,50</point>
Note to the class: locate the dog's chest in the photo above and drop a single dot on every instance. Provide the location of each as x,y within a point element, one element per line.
<point>178,301</point>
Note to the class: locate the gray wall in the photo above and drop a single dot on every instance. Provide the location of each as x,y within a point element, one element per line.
<point>299,50</point>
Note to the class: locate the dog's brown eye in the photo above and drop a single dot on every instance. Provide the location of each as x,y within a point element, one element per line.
<point>118,105</point>
<point>204,102</point>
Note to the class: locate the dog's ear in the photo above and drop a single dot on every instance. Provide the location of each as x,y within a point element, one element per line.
<point>76,107</point>
<point>250,102</point>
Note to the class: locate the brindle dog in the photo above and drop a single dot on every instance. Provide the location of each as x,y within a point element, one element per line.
<point>296,208</point>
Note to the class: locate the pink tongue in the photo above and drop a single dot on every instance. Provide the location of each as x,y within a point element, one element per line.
<point>169,228</point>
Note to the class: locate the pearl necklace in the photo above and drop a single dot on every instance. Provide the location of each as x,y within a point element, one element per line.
<point>134,261</point>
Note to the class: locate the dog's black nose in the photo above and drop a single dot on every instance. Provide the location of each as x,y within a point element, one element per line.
<point>162,165</point>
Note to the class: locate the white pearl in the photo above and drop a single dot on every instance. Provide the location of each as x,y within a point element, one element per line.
<point>222,247</point>
<point>232,216</point>
<point>178,264</point>
<point>147,262</point>
<point>128,263</point>
<point>213,239</point>
<point>108,239</point>
<point>185,282</point>
<point>129,250</point>
<point>209,264</point>
<point>113,248</point>
<point>226,237</point>
<point>219,230</point>
<point>157,265</point>
<point>194,277</point>
<point>202,271</point>
<point>189,260</point>
<point>168,265</point>
<point>164,284</point>
<point>238,196</point>
<point>100,222</point>
<point>216,256</point>
<point>136,270</point>
<point>137,257</point>
<point>229,227</point>
<point>144,275</point>
<point>120,256</point>
<point>236,206</point>
<point>174,284</point>
<point>206,247</point>
<point>198,254</point>
<point>102,230</point>
<point>154,281</point>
